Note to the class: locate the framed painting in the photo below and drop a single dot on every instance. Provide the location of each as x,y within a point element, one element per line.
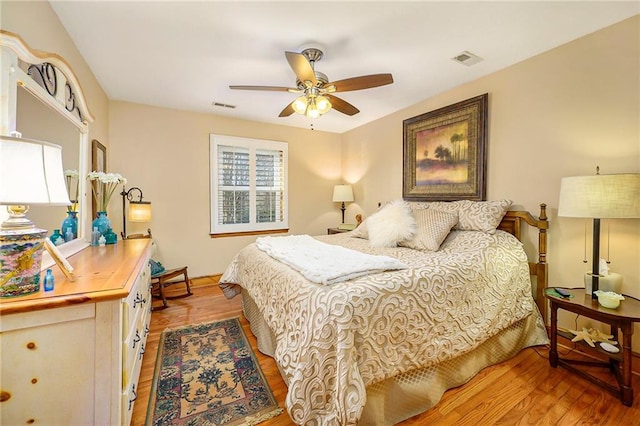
<point>98,164</point>
<point>445,153</point>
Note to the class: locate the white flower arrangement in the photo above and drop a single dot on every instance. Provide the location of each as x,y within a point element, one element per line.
<point>71,176</point>
<point>103,185</point>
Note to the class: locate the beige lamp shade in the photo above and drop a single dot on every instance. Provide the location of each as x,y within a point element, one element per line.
<point>139,211</point>
<point>615,196</point>
<point>342,193</point>
<point>31,173</point>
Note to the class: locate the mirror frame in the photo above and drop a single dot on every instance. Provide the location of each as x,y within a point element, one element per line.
<point>69,102</point>
<point>98,164</point>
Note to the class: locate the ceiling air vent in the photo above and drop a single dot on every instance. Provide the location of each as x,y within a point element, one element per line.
<point>467,58</point>
<point>221,105</point>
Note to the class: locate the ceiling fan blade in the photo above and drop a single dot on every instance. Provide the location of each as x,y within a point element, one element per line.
<point>287,111</point>
<point>362,82</point>
<point>302,67</point>
<point>269,88</point>
<point>342,105</point>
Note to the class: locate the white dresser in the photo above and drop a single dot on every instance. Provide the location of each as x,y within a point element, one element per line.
<point>72,356</point>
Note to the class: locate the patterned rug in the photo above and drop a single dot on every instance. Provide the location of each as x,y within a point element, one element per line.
<point>207,374</point>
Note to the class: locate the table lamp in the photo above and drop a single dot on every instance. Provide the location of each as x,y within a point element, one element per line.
<point>139,211</point>
<point>615,196</point>
<point>342,194</point>
<point>31,173</point>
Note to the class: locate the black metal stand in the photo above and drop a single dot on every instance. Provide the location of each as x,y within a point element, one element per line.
<point>343,208</point>
<point>595,267</point>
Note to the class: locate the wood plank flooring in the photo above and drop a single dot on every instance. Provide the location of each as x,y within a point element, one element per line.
<point>522,390</point>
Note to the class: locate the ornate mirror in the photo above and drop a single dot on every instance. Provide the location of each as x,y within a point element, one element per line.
<point>42,99</point>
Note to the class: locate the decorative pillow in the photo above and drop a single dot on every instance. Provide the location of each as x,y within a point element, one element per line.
<point>482,216</point>
<point>390,225</point>
<point>361,231</point>
<point>433,228</point>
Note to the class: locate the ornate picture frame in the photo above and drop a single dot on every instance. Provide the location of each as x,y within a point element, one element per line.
<point>445,153</point>
<point>98,164</point>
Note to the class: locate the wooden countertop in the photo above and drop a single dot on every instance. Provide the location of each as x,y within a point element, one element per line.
<point>101,273</point>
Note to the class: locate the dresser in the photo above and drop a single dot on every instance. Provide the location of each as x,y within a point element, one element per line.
<point>73,355</point>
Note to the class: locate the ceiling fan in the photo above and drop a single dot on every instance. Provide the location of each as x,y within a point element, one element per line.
<point>317,98</point>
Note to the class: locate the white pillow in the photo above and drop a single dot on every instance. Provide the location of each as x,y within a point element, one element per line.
<point>433,228</point>
<point>360,231</point>
<point>392,224</point>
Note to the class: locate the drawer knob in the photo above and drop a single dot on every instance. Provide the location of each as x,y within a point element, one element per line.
<point>31,345</point>
<point>136,339</point>
<point>4,396</point>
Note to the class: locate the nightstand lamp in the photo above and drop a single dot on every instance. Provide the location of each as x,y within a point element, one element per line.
<point>139,211</point>
<point>598,197</point>
<point>31,173</point>
<point>342,194</point>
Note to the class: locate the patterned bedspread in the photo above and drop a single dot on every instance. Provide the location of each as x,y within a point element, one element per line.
<point>333,341</point>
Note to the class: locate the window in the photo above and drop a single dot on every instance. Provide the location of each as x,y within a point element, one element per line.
<point>248,185</point>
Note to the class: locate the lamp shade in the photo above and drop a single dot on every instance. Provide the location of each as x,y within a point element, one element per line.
<point>342,193</point>
<point>139,211</point>
<point>31,173</point>
<point>615,196</point>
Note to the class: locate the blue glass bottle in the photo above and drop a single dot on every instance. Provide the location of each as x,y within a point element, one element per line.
<point>56,238</point>
<point>48,280</point>
<point>110,236</point>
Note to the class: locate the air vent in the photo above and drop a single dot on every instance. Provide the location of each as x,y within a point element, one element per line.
<point>467,58</point>
<point>221,105</point>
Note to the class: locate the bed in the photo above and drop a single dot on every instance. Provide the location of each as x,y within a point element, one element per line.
<point>383,347</point>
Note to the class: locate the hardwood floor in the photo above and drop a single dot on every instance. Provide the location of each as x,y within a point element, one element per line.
<point>522,390</point>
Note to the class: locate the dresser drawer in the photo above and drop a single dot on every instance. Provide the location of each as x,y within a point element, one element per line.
<point>133,347</point>
<point>138,301</point>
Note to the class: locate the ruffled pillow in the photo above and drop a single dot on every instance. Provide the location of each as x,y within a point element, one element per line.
<point>390,225</point>
<point>433,228</point>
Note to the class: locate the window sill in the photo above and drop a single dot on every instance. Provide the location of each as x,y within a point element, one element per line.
<point>245,233</point>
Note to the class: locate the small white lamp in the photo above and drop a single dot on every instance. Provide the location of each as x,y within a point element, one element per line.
<point>600,197</point>
<point>31,173</point>
<point>342,194</point>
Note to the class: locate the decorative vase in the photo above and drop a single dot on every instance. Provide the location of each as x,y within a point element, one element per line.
<point>71,221</point>
<point>102,223</point>
<point>21,259</point>
<point>110,236</point>
<point>57,238</point>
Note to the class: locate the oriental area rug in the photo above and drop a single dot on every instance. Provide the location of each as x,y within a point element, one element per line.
<point>207,374</point>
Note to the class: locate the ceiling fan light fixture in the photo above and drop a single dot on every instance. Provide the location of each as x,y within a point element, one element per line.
<point>323,104</point>
<point>300,105</point>
<point>312,109</point>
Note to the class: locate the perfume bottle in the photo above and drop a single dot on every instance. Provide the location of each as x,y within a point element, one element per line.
<point>95,236</point>
<point>48,280</point>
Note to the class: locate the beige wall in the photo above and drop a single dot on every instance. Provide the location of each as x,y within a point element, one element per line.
<point>166,154</point>
<point>558,114</point>
<point>561,113</point>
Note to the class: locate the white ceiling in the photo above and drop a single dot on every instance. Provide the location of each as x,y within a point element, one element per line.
<point>185,54</point>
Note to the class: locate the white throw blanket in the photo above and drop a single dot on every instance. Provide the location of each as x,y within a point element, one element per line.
<point>324,263</point>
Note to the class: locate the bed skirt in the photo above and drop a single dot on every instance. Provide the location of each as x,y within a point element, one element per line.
<point>406,395</point>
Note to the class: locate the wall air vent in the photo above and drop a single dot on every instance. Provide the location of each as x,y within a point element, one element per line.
<point>467,58</point>
<point>221,105</point>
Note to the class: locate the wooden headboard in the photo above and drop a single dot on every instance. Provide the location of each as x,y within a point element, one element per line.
<point>512,223</point>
